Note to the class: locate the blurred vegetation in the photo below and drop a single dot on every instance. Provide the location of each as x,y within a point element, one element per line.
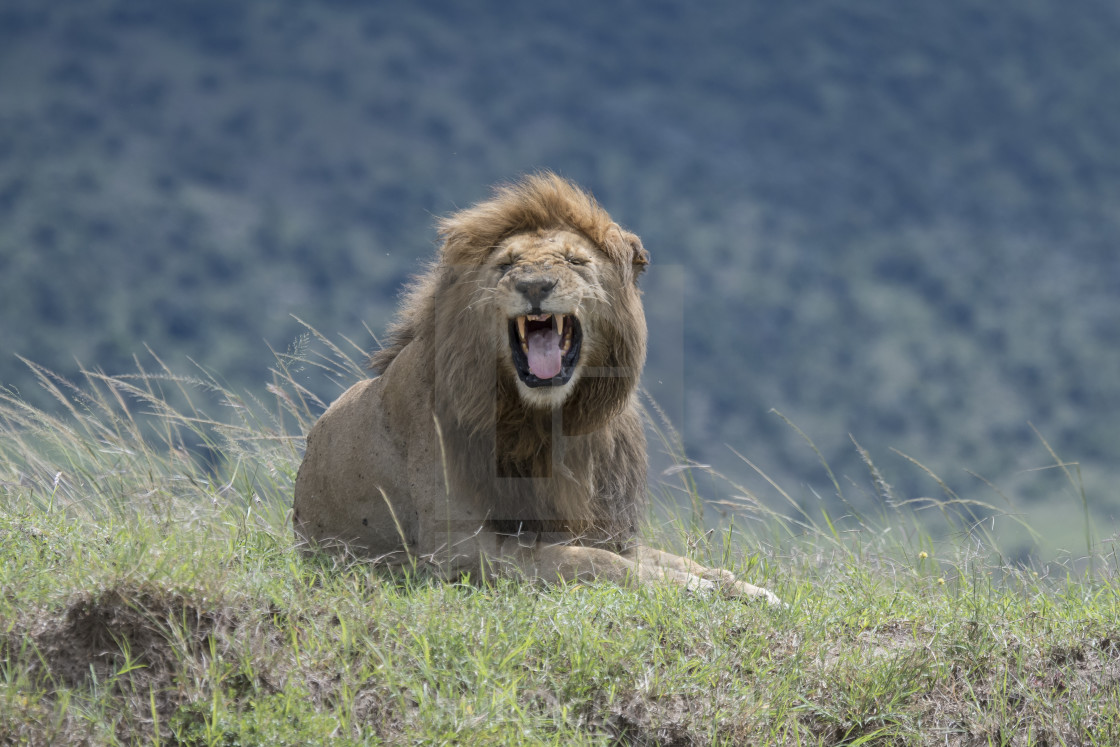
<point>891,221</point>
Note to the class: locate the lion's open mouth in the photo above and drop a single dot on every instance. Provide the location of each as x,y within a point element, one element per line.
<point>545,348</point>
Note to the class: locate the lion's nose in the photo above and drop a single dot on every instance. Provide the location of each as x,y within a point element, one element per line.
<point>535,289</point>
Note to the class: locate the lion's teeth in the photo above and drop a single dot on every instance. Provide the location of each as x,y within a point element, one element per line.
<point>560,325</point>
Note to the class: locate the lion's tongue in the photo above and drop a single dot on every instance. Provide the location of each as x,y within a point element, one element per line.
<point>544,353</point>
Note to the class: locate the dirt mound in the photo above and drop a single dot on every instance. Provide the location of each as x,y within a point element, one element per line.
<point>134,635</point>
<point>144,644</point>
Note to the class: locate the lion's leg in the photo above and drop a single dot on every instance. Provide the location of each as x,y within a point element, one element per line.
<point>724,579</point>
<point>576,563</point>
<point>484,553</point>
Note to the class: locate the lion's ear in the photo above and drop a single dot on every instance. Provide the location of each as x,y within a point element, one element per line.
<point>639,257</point>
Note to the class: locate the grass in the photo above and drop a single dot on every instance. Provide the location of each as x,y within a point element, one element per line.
<point>148,596</point>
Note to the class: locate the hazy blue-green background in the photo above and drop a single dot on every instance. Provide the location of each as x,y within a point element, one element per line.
<point>887,219</point>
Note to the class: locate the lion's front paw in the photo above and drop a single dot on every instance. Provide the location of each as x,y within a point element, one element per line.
<point>699,585</point>
<point>731,587</point>
<point>745,591</point>
<point>719,575</point>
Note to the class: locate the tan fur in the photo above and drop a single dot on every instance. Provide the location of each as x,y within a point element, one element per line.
<point>451,458</point>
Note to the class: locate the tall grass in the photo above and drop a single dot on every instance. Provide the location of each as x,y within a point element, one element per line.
<point>150,592</point>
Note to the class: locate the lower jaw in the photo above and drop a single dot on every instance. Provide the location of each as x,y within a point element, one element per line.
<point>546,395</point>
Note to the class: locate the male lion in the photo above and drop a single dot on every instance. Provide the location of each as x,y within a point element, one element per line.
<point>504,432</point>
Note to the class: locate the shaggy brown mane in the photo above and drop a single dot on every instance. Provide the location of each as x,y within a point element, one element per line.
<point>536,202</point>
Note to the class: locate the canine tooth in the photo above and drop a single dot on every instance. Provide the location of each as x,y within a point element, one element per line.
<point>521,329</point>
<point>558,322</point>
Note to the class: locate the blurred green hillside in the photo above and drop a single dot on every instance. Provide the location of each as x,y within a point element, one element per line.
<point>895,221</point>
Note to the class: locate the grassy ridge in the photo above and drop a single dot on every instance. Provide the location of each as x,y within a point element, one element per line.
<point>150,597</point>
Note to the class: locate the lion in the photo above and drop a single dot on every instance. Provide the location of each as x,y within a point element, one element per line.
<point>503,434</point>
